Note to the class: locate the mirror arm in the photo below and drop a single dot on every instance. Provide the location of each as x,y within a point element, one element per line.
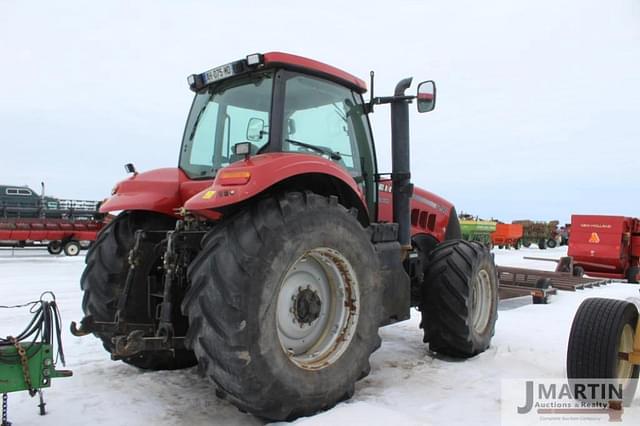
<point>390,99</point>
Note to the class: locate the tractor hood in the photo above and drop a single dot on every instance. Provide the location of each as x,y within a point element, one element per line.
<point>160,190</point>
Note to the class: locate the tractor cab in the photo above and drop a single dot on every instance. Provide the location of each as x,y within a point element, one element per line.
<point>278,103</point>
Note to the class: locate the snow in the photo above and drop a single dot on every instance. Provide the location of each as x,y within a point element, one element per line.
<point>407,385</point>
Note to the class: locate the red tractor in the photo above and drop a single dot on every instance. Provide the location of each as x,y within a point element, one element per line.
<point>276,249</point>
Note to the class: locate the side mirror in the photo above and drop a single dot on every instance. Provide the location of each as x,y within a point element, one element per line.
<point>426,96</point>
<point>255,129</point>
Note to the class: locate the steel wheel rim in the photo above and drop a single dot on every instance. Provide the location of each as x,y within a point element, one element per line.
<point>624,369</point>
<point>481,301</point>
<point>73,249</point>
<point>317,308</point>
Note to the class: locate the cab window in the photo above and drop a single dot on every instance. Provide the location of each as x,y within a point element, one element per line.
<point>318,119</point>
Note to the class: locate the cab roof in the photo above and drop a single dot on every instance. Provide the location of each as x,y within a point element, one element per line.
<point>258,61</point>
<point>312,66</point>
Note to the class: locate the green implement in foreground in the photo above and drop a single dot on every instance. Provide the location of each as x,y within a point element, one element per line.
<point>40,367</point>
<point>27,359</point>
<point>477,230</point>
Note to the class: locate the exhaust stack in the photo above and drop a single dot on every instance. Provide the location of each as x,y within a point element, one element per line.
<point>401,171</point>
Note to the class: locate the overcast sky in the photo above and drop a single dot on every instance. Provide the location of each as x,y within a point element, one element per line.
<point>538,112</point>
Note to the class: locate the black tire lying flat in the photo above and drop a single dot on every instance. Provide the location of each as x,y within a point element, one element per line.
<point>595,341</point>
<point>104,277</point>
<point>236,312</point>
<point>451,316</point>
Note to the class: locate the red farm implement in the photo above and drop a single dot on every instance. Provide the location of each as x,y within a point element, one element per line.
<point>57,235</point>
<point>606,246</point>
<point>507,235</point>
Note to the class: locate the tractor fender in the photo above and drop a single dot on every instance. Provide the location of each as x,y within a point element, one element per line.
<point>245,179</point>
<point>160,190</point>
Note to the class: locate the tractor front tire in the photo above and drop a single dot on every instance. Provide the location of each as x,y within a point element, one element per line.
<point>551,243</point>
<point>460,299</point>
<point>283,305</point>
<point>104,277</point>
<point>602,330</point>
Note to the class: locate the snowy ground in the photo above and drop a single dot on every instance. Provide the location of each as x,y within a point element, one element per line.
<point>407,385</point>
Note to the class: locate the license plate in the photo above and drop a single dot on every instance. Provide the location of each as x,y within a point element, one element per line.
<point>218,73</point>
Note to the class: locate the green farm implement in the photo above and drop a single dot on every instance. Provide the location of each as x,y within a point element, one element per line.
<point>27,361</point>
<point>477,230</point>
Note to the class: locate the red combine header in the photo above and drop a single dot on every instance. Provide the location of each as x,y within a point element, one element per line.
<point>606,246</point>
<point>28,219</point>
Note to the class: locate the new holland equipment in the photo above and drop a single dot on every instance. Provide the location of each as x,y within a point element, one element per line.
<point>606,246</point>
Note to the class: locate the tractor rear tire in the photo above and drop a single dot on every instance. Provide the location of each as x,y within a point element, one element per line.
<point>54,247</point>
<point>542,244</point>
<point>633,275</point>
<point>601,330</point>
<point>460,299</point>
<point>275,348</point>
<point>104,277</point>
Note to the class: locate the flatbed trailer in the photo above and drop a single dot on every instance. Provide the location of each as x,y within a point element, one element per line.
<point>515,282</point>
<point>58,235</point>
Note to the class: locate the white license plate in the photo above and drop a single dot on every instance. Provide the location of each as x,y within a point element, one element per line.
<point>218,73</point>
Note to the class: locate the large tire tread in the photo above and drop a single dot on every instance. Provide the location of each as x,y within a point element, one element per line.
<point>446,305</point>
<point>594,337</point>
<point>226,317</point>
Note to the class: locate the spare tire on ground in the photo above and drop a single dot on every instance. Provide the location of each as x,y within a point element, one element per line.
<point>601,337</point>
